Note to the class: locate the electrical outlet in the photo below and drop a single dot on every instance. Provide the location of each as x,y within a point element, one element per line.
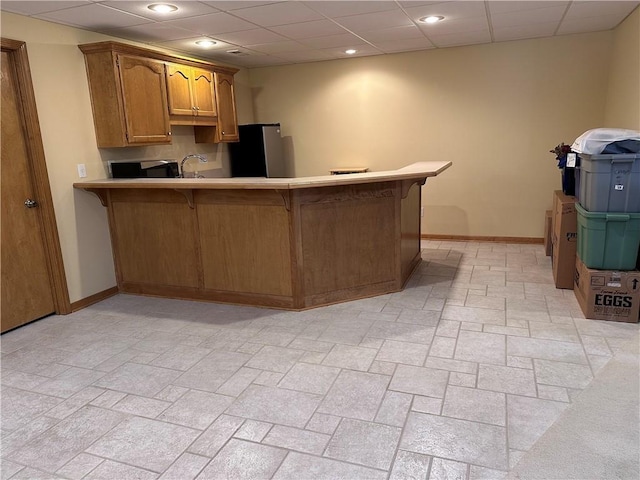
<point>422,211</point>
<point>82,170</point>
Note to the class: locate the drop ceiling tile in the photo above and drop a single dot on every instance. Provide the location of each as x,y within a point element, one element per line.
<point>301,57</point>
<point>392,34</point>
<point>416,3</point>
<point>453,26</point>
<point>527,17</point>
<point>236,4</point>
<point>33,8</point>
<point>256,61</point>
<point>372,21</point>
<point>94,16</point>
<point>185,9</point>
<point>600,9</point>
<point>589,24</point>
<point>278,14</point>
<point>462,38</point>
<point>316,28</point>
<point>247,37</point>
<point>363,50</point>
<point>409,44</point>
<point>149,32</point>
<point>498,6</point>
<point>345,8</point>
<point>332,41</point>
<point>189,44</point>
<point>279,47</point>
<point>212,24</point>
<point>520,32</point>
<point>449,10</point>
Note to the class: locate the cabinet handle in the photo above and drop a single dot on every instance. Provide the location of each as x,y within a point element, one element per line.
<point>169,133</point>
<point>197,108</point>
<point>193,108</point>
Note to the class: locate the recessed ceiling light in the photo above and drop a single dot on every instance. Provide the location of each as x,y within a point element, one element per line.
<point>162,7</point>
<point>431,19</point>
<point>351,51</point>
<point>205,43</point>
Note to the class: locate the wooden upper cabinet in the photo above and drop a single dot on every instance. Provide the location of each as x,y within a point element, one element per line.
<point>191,91</point>
<point>137,94</point>
<point>227,129</point>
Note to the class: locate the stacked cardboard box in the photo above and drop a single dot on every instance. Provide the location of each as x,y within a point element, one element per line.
<point>563,238</point>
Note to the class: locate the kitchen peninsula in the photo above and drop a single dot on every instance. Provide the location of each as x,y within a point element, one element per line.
<point>290,243</point>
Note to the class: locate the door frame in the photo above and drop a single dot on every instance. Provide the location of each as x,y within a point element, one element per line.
<point>17,50</point>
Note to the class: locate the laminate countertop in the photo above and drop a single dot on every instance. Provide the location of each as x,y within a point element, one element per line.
<point>414,170</point>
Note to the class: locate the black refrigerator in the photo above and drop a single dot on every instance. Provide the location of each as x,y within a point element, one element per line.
<point>259,153</point>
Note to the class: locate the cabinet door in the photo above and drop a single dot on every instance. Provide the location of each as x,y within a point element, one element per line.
<point>144,95</point>
<point>179,79</point>
<point>227,129</point>
<point>204,97</point>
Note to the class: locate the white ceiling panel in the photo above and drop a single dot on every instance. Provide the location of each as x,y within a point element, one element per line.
<point>316,28</point>
<point>278,14</point>
<point>322,29</point>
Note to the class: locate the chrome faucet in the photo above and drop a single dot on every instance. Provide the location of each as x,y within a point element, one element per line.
<point>201,159</point>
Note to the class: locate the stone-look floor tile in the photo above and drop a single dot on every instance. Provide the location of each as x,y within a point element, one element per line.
<point>34,359</point>
<point>595,345</point>
<point>482,473</point>
<point>116,361</point>
<point>265,404</point>
<point>22,380</point>
<point>314,358</point>
<point>69,382</point>
<point>196,409</point>
<point>562,374</point>
<point>519,362</point>
<point>508,330</point>
<point>554,331</point>
<point>474,315</point>
<point>298,465</point>
<point>108,470</point>
<point>180,357</point>
<point>489,277</point>
<point>144,443</point>
<point>212,371</point>
<point>403,352</point>
<point>546,349</point>
<point>383,368</point>
<point>600,328</point>
<point>8,469</point>
<point>482,301</point>
<point>475,405</point>
<point>529,418</point>
<point>402,332</point>
<point>79,466</point>
<point>186,467</point>
<point>428,318</point>
<point>427,405</point>
<point>144,380</point>
<point>394,409</point>
<point>274,336</point>
<point>74,403</point>
<point>364,443</point>
<point>141,406</point>
<point>410,465</point>
<point>442,469</point>
<point>275,359</point>
<point>517,318</point>
<point>435,304</point>
<point>171,393</point>
<point>462,379</point>
<point>59,444</point>
<point>549,392</point>
<point>443,347</point>
<point>310,378</point>
<point>250,348</point>
<point>449,293</point>
<point>507,380</point>
<point>512,290</point>
<point>481,347</point>
<point>268,379</point>
<point>323,423</point>
<point>253,431</point>
<point>448,328</point>
<point>451,365</point>
<point>562,320</point>
<point>355,395</point>
<point>419,380</point>
<point>471,327</point>
<point>346,356</point>
<point>304,441</point>
<point>214,437</point>
<point>239,381</point>
<point>597,362</point>
<point>248,461</point>
<point>460,440</point>
<point>18,438</point>
<point>34,474</point>
<point>370,342</point>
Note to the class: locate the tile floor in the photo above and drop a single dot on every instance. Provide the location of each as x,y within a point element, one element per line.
<point>456,377</point>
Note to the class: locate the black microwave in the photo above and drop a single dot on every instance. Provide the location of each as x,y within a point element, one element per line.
<point>145,169</point>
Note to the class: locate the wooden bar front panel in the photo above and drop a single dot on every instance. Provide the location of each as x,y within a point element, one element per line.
<point>410,231</point>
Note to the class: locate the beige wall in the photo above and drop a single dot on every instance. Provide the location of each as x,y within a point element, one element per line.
<point>64,109</point>
<point>494,110</point>
<point>623,95</point>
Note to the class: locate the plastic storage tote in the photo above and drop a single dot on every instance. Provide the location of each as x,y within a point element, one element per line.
<point>608,241</point>
<point>609,183</point>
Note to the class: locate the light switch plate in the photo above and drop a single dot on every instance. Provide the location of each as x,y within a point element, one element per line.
<point>82,170</point>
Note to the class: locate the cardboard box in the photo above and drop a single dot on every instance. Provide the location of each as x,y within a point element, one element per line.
<point>564,239</point>
<point>547,232</point>
<point>607,294</point>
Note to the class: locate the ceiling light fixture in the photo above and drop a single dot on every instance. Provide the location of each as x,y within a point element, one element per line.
<point>351,51</point>
<point>431,19</point>
<point>162,7</point>
<point>205,43</point>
